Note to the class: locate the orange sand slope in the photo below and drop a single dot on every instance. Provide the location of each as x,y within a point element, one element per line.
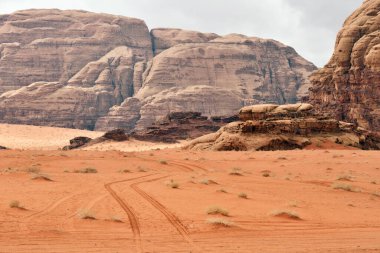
<point>325,201</point>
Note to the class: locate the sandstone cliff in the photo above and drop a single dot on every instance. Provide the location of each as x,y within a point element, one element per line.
<point>85,70</point>
<point>348,87</point>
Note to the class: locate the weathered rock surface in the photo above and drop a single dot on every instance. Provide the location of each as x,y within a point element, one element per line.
<point>82,142</point>
<point>348,87</point>
<point>116,135</point>
<point>84,70</point>
<point>295,127</point>
<point>164,38</point>
<point>181,126</point>
<point>77,142</point>
<point>53,45</point>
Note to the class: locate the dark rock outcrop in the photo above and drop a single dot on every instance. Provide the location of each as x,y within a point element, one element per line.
<point>77,142</point>
<point>116,135</point>
<point>348,87</point>
<point>180,126</point>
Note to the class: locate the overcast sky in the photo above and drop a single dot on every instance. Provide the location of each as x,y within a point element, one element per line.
<point>310,26</point>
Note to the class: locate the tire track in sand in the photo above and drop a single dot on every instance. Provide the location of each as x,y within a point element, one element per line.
<point>128,210</point>
<point>172,218</point>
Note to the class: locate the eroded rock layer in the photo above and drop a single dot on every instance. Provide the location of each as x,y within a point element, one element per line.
<point>348,87</point>
<point>85,70</point>
<point>286,127</point>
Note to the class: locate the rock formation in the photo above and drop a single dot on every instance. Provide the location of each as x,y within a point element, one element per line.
<point>348,87</point>
<point>181,126</point>
<point>96,71</point>
<point>286,127</point>
<point>77,142</point>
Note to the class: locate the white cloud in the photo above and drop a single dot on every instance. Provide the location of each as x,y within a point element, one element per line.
<point>309,26</point>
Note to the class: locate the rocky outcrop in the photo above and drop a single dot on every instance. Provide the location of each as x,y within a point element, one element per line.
<point>96,71</point>
<point>116,135</point>
<point>286,127</point>
<point>77,142</point>
<point>2,148</point>
<point>181,126</point>
<point>348,87</point>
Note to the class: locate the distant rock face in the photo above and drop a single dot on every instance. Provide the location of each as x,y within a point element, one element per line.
<point>348,87</point>
<point>96,71</point>
<point>67,68</point>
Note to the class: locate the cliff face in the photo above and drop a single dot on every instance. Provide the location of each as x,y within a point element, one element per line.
<point>85,70</point>
<point>348,87</point>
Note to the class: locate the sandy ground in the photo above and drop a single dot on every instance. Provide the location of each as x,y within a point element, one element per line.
<point>39,137</point>
<point>53,138</point>
<point>330,199</point>
<point>135,210</point>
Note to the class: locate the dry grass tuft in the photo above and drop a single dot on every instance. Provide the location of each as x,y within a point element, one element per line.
<point>125,171</point>
<point>217,210</point>
<point>220,222</point>
<point>116,219</point>
<point>345,187</point>
<point>286,214</point>
<point>222,190</point>
<point>236,172</point>
<point>87,171</point>
<point>172,184</point>
<point>243,195</point>
<point>16,204</point>
<point>41,177</point>
<point>344,178</point>
<point>86,215</point>
<point>33,170</point>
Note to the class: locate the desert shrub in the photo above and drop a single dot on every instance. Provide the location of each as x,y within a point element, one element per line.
<point>345,187</point>
<point>41,177</point>
<point>217,210</point>
<point>235,172</point>
<point>172,184</point>
<point>15,204</point>
<point>243,195</point>
<point>163,162</point>
<point>220,222</point>
<point>87,171</point>
<point>286,213</point>
<point>86,215</point>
